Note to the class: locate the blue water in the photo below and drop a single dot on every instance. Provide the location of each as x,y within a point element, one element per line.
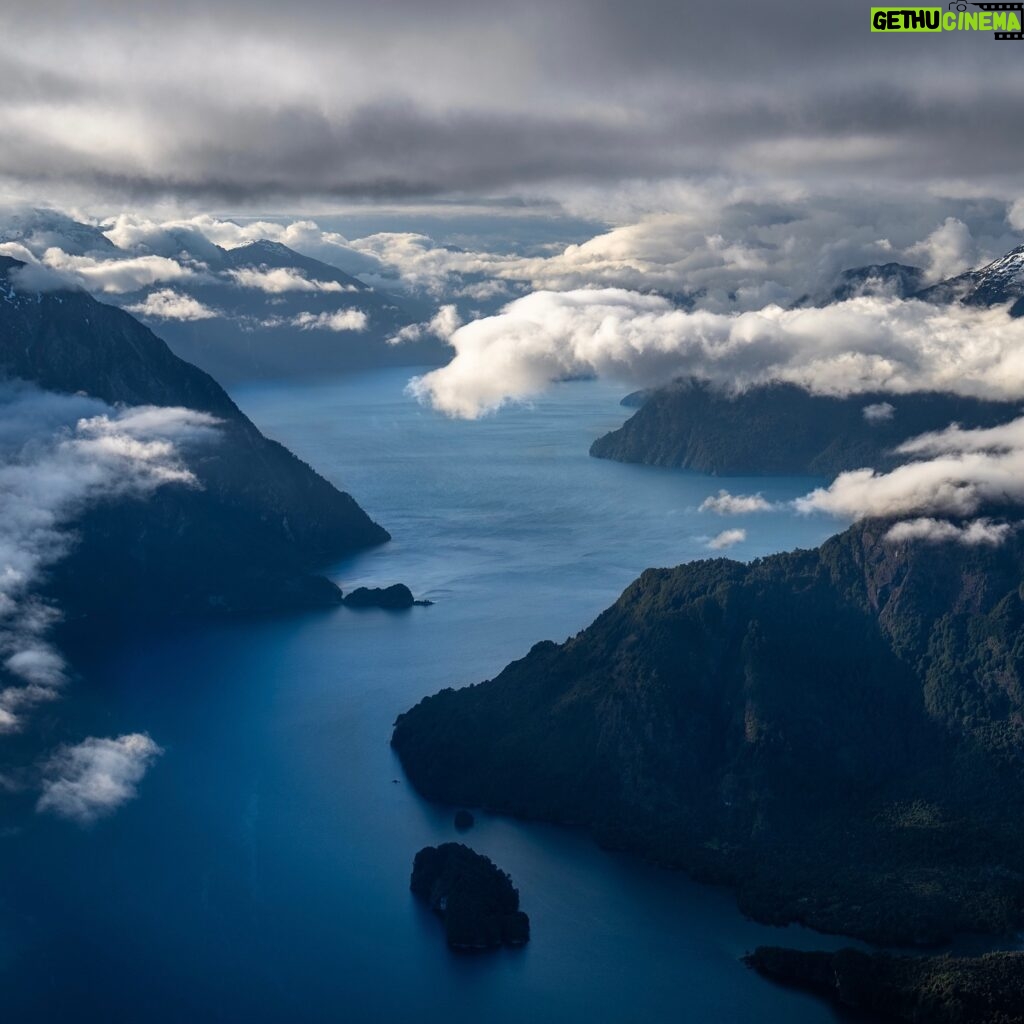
<point>262,874</point>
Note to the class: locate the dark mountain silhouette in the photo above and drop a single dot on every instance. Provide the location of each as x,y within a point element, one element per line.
<point>249,537</point>
<point>783,429</point>
<point>838,734</point>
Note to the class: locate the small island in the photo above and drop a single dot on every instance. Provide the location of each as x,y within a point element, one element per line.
<point>393,598</point>
<point>476,899</point>
<point>934,989</point>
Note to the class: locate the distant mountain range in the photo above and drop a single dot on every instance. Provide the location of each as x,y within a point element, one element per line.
<point>258,310</point>
<point>281,314</point>
<point>994,284</point>
<point>838,734</point>
<point>248,537</point>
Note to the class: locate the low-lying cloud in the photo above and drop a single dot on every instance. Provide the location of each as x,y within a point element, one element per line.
<point>946,491</point>
<point>967,472</point>
<point>443,324</point>
<point>725,504</point>
<point>727,539</point>
<point>975,533</point>
<point>58,455</point>
<point>115,276</point>
<point>167,304</point>
<point>861,345</point>
<point>285,279</point>
<point>92,779</point>
<point>343,320</point>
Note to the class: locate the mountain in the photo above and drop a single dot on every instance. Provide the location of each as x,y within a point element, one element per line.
<point>783,429</point>
<point>838,734</point>
<point>248,537</point>
<point>265,310</point>
<point>40,229</point>
<point>918,990</point>
<point>891,280</point>
<point>994,284</point>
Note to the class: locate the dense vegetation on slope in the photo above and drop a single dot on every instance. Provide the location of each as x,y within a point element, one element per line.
<point>781,428</point>
<point>247,538</point>
<point>919,990</point>
<point>837,733</point>
<point>476,899</point>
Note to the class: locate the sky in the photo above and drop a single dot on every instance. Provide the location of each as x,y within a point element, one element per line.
<point>595,104</point>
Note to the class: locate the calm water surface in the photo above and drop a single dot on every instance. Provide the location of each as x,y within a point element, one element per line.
<point>262,875</point>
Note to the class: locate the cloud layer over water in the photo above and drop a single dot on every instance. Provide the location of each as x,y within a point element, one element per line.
<point>861,345</point>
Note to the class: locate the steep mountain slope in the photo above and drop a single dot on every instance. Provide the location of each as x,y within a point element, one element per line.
<point>837,733</point>
<point>781,428</point>
<point>261,519</point>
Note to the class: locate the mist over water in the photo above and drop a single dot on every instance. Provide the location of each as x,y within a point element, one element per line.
<point>262,874</point>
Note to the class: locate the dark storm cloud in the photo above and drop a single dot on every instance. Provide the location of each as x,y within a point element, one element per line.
<point>250,101</point>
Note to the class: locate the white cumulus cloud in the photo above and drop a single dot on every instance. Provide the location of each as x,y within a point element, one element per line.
<point>725,504</point>
<point>879,412</point>
<point>279,280</point>
<point>115,276</point>
<point>167,304</point>
<point>727,539</point>
<point>92,779</point>
<point>343,320</point>
<point>861,345</point>
<point>975,532</point>
<point>965,473</point>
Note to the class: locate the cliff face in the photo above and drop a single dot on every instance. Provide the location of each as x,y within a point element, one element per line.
<point>782,429</point>
<point>246,538</point>
<point>837,733</point>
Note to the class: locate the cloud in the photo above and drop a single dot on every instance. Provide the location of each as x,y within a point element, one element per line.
<point>727,539</point>
<point>58,455</point>
<point>115,276</point>
<point>92,779</point>
<point>726,504</point>
<point>954,439</point>
<point>879,412</point>
<point>149,237</point>
<point>974,533</point>
<point>444,323</point>
<point>717,244</point>
<point>285,279</point>
<point>949,250</point>
<point>861,345</point>
<point>343,320</point>
<point>969,471</point>
<point>325,100</point>
<point>167,304</point>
